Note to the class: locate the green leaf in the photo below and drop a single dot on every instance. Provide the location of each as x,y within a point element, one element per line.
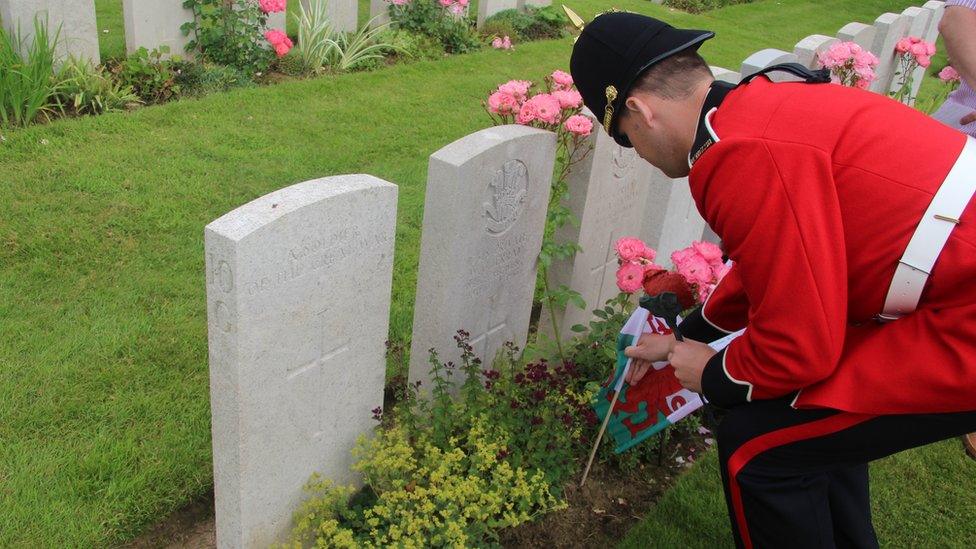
<point>578,328</point>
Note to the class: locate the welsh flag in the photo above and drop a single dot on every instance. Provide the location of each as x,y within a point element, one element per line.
<point>656,401</point>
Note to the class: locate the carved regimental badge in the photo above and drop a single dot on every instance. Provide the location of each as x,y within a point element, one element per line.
<point>623,161</point>
<point>505,196</point>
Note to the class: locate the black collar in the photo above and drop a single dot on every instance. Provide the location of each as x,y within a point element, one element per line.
<point>704,138</point>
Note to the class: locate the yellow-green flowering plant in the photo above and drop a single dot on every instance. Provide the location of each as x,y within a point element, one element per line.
<point>455,468</point>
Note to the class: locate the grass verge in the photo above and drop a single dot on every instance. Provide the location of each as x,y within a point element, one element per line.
<point>921,498</point>
<point>104,424</point>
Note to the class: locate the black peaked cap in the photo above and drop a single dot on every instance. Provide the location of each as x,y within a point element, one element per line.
<point>613,50</point>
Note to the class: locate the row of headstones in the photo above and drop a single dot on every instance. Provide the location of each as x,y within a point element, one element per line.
<point>299,282</point>
<point>152,24</point>
<point>380,14</point>
<point>148,23</point>
<point>299,285</point>
<point>879,38</point>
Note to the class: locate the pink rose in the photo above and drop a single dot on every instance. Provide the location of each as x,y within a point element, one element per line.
<point>865,59</point>
<point>949,74</point>
<point>923,60</point>
<point>630,248</point>
<point>272,6</point>
<point>456,9</point>
<point>647,255</point>
<point>904,45</point>
<point>579,125</point>
<point>445,3</point>
<point>276,37</point>
<point>282,48</point>
<point>516,88</point>
<point>527,113</point>
<point>568,99</point>
<point>545,107</point>
<point>463,3</point>
<point>562,80</point>
<point>692,266</point>
<point>710,252</point>
<point>630,277</point>
<point>501,43</point>
<point>502,103</point>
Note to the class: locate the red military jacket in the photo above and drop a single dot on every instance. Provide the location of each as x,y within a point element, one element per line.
<point>815,191</point>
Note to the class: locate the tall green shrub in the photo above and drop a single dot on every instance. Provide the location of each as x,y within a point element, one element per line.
<point>27,83</point>
<point>321,45</point>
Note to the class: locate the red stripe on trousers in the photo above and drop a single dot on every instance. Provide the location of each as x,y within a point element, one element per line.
<point>745,453</point>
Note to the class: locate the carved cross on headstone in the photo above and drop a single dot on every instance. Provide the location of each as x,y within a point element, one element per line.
<point>312,380</point>
<point>599,274</point>
<point>481,342</point>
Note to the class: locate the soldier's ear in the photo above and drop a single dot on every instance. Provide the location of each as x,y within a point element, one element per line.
<point>637,107</point>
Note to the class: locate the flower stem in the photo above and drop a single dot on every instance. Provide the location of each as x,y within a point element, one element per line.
<point>552,314</point>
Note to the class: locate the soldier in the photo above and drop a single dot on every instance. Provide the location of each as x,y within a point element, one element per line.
<point>847,216</point>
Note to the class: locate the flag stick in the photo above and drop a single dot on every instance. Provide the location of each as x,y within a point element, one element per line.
<point>599,437</point>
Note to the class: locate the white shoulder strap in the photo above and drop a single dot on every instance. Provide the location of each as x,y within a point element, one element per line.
<point>931,235</point>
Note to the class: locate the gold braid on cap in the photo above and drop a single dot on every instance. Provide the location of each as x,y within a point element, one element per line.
<point>608,111</point>
<point>578,22</point>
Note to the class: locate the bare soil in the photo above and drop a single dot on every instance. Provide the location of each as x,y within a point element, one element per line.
<point>599,514</point>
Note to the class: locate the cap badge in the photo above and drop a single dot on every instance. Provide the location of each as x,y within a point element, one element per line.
<point>608,111</point>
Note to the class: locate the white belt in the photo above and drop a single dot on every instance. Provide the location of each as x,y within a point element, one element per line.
<point>931,235</point>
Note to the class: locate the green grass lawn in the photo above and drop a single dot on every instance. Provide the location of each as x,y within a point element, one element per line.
<point>921,498</point>
<point>104,423</point>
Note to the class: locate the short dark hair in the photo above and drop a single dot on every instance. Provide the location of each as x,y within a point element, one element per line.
<point>675,77</point>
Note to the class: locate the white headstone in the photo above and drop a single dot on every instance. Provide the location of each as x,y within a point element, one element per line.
<point>343,13</point>
<point>298,301</point>
<point>487,8</point>
<point>484,216</point>
<point>278,20</point>
<point>937,8</point>
<point>765,58</point>
<point>151,25</point>
<point>918,24</point>
<point>806,50</point>
<point>859,33</point>
<point>656,204</point>
<point>681,223</point>
<point>935,11</point>
<point>725,75</point>
<point>75,18</point>
<point>607,194</point>
<point>379,12</point>
<point>890,28</point>
<point>533,3</point>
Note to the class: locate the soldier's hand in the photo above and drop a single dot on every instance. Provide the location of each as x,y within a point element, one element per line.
<point>689,358</point>
<point>968,119</point>
<point>650,348</point>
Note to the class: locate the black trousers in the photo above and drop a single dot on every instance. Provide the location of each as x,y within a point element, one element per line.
<point>799,478</point>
